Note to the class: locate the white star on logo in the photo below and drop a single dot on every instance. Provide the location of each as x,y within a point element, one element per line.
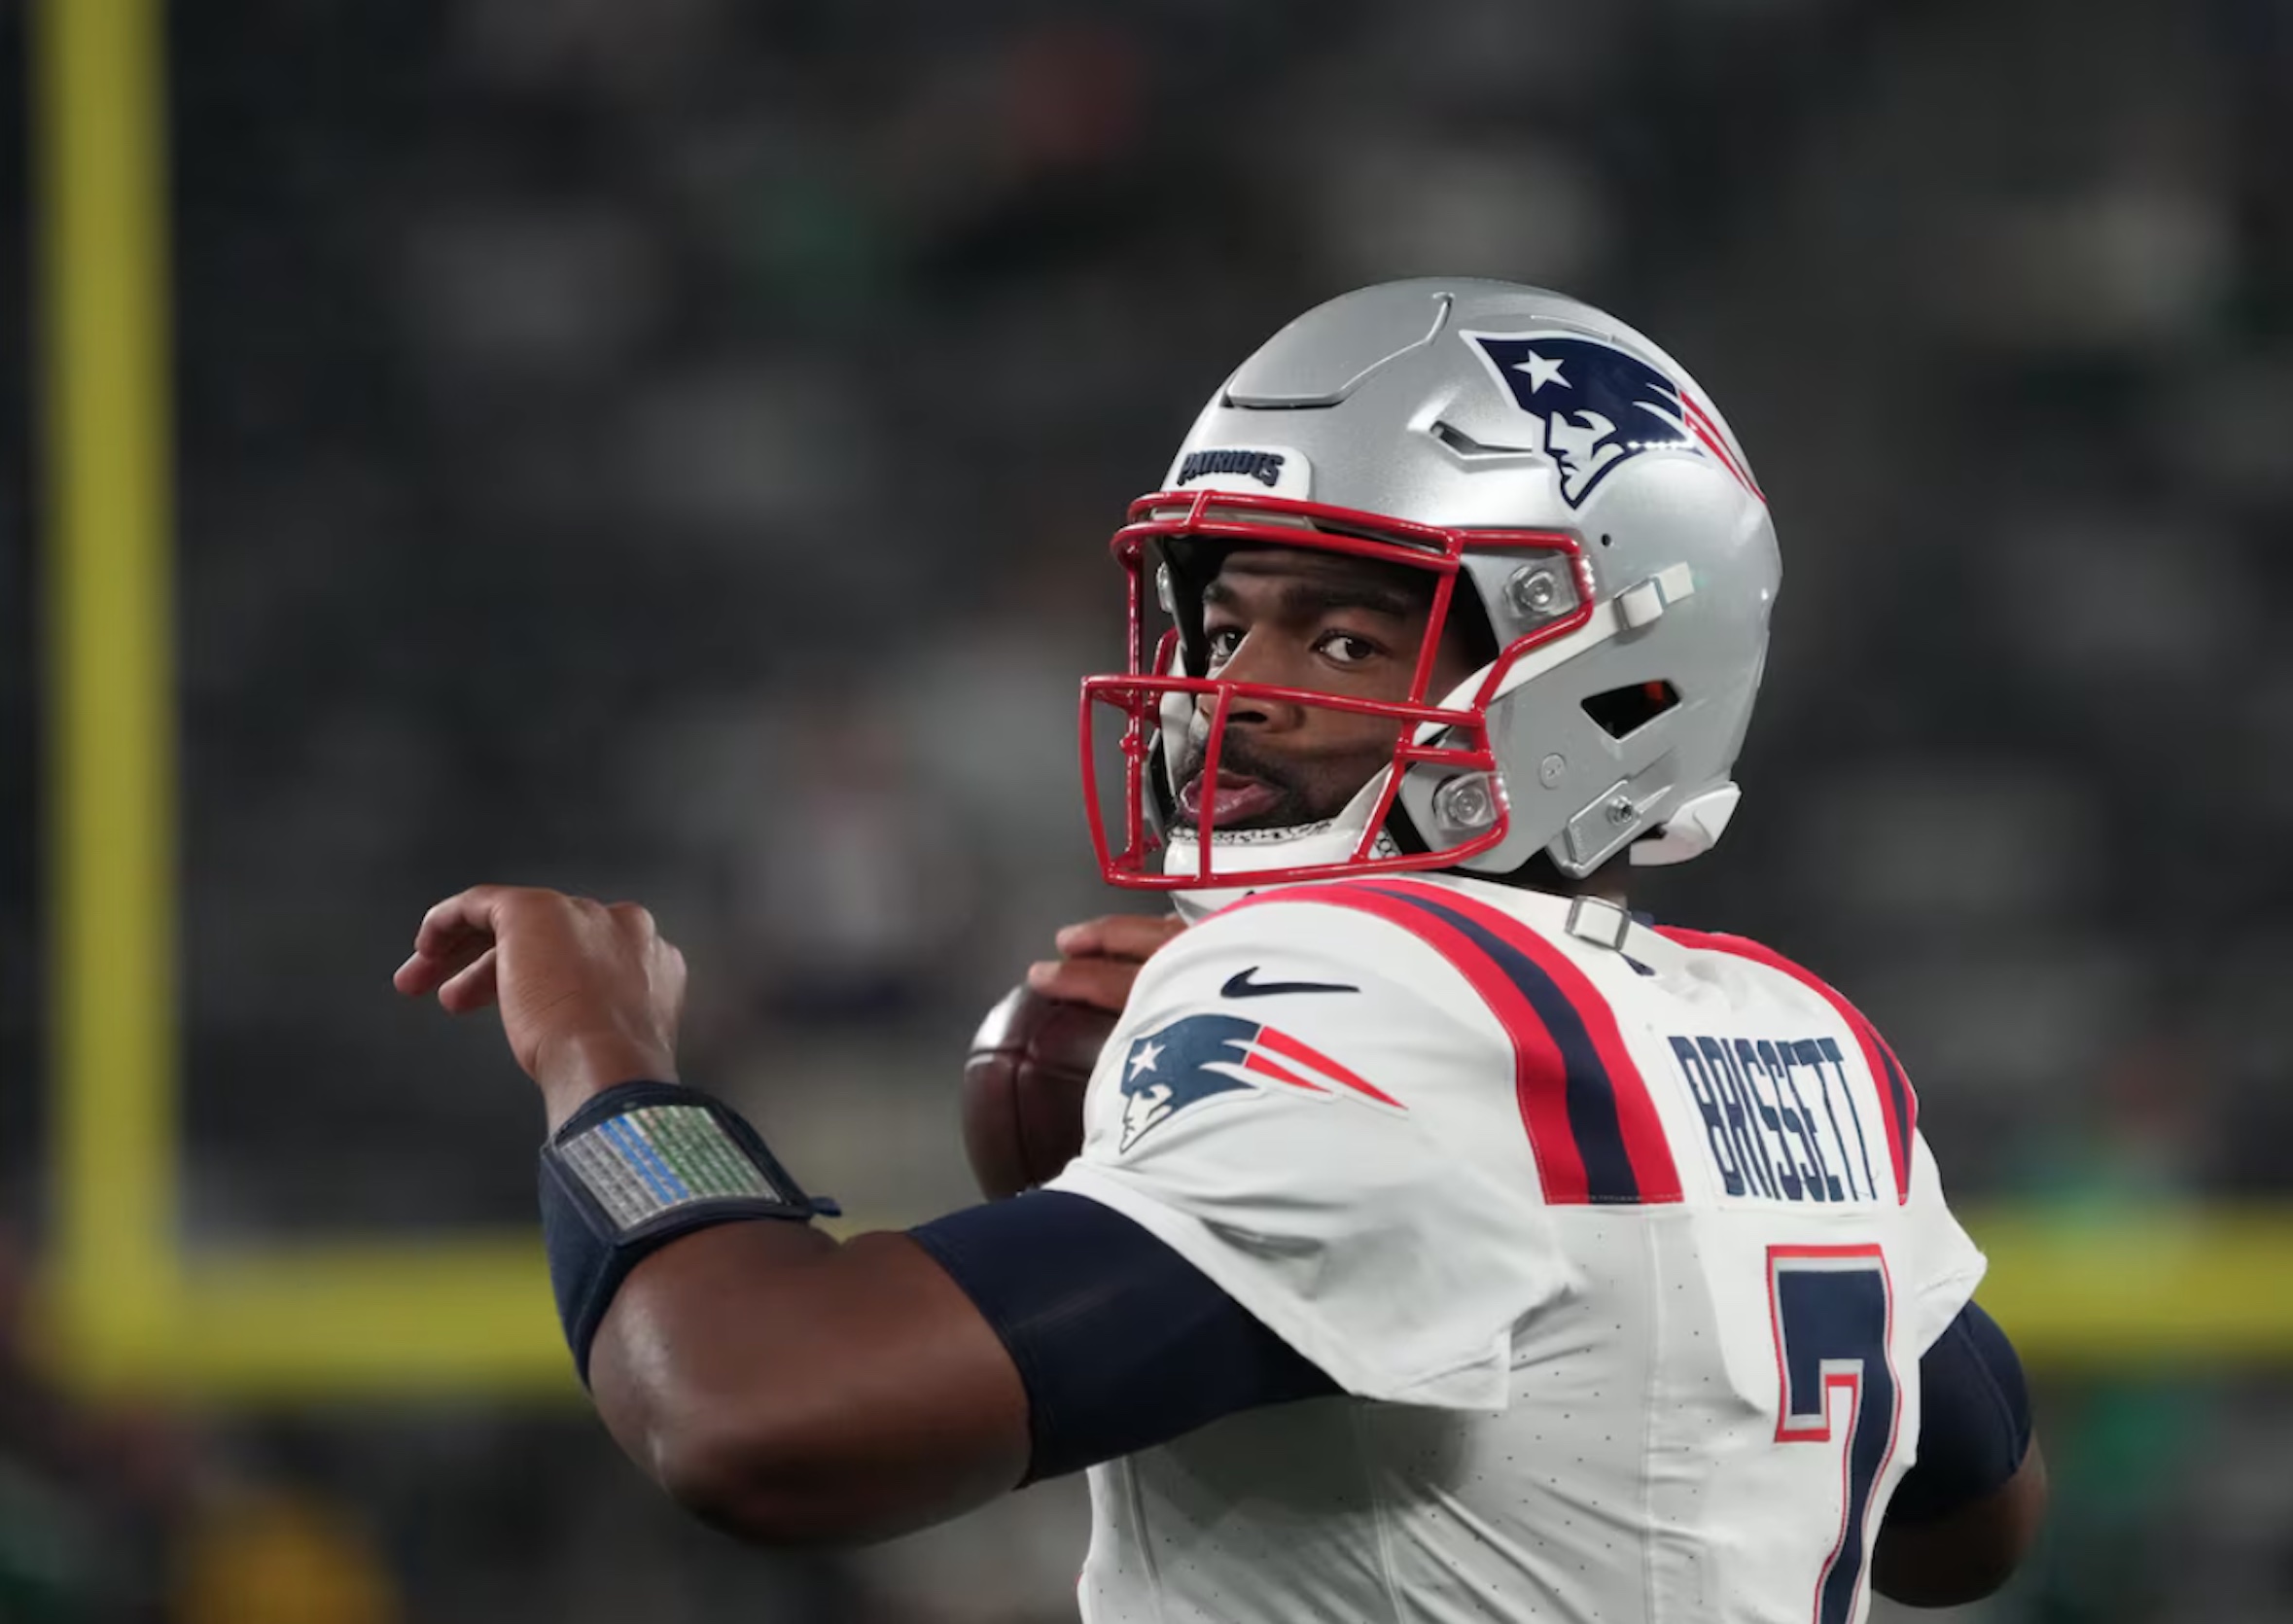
<point>1541,372</point>
<point>1143,1057</point>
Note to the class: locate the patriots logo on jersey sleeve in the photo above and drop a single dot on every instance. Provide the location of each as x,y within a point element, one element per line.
<point>1201,1057</point>
<point>1601,407</point>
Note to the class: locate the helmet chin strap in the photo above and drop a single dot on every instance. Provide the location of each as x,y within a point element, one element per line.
<point>1196,905</point>
<point>1239,853</point>
<point>1692,829</point>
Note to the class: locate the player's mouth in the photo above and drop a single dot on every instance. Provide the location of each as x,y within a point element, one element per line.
<point>1233,803</point>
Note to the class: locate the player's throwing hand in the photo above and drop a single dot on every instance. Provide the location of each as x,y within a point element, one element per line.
<point>589,992</point>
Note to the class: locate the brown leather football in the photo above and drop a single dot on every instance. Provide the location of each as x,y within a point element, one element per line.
<point>1023,1088</point>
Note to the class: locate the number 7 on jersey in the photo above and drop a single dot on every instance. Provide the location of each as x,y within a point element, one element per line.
<point>1833,1313</point>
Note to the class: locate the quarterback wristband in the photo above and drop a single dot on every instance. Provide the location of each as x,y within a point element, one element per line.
<point>633,1169</point>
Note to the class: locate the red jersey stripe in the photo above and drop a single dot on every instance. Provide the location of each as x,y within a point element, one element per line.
<point>1645,1144</point>
<point>1536,1058</point>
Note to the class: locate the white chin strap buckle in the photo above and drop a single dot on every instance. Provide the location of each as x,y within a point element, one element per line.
<point>1693,830</point>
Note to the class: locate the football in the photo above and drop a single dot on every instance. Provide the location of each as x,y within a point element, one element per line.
<point>1023,1088</point>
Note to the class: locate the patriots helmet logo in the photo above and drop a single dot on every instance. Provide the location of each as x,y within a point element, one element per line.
<point>1202,1057</point>
<point>1601,407</point>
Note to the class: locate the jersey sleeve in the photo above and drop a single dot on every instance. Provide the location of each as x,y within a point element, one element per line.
<point>1941,1263</point>
<point>1316,1112</point>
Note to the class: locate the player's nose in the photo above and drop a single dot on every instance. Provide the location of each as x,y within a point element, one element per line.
<point>1260,662</point>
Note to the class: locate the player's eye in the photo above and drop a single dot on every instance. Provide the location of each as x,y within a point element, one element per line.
<point>1344,648</point>
<point>1222,642</point>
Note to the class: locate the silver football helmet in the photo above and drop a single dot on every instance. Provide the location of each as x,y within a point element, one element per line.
<point>1556,472</point>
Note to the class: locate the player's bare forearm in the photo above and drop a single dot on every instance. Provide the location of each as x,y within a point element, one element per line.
<point>1968,1554</point>
<point>787,1388</point>
<point>793,1390</point>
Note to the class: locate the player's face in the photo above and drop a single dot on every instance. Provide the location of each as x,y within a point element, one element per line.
<point>1292,618</point>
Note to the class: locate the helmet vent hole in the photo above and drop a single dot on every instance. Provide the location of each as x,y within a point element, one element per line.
<point>1465,445</point>
<point>1624,711</point>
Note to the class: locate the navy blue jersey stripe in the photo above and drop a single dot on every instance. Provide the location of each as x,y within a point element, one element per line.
<point>1898,1105</point>
<point>1590,1092</point>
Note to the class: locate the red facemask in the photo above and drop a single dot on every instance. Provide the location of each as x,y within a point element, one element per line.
<point>1455,741</point>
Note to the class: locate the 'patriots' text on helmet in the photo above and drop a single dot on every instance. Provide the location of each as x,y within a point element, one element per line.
<point>1554,473</point>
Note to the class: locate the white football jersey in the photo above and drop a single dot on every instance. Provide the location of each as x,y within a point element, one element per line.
<point>1623,1246</point>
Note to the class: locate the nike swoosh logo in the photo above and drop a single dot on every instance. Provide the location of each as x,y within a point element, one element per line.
<point>1240,985</point>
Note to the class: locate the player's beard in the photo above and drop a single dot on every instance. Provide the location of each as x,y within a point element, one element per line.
<point>1297,799</point>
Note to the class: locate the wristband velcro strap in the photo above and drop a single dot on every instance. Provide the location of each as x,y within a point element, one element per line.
<point>633,1169</point>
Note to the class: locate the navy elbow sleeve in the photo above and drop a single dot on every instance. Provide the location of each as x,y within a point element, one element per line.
<point>1974,1424</point>
<point>1122,1344</point>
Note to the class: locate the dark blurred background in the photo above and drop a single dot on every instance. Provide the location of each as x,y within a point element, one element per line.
<point>666,450</point>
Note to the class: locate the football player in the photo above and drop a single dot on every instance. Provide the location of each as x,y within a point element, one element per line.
<point>1447,1240</point>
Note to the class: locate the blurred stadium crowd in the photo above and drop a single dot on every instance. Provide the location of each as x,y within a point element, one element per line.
<point>666,451</point>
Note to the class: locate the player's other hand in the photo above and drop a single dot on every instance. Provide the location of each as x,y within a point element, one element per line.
<point>589,992</point>
<point>1099,958</point>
